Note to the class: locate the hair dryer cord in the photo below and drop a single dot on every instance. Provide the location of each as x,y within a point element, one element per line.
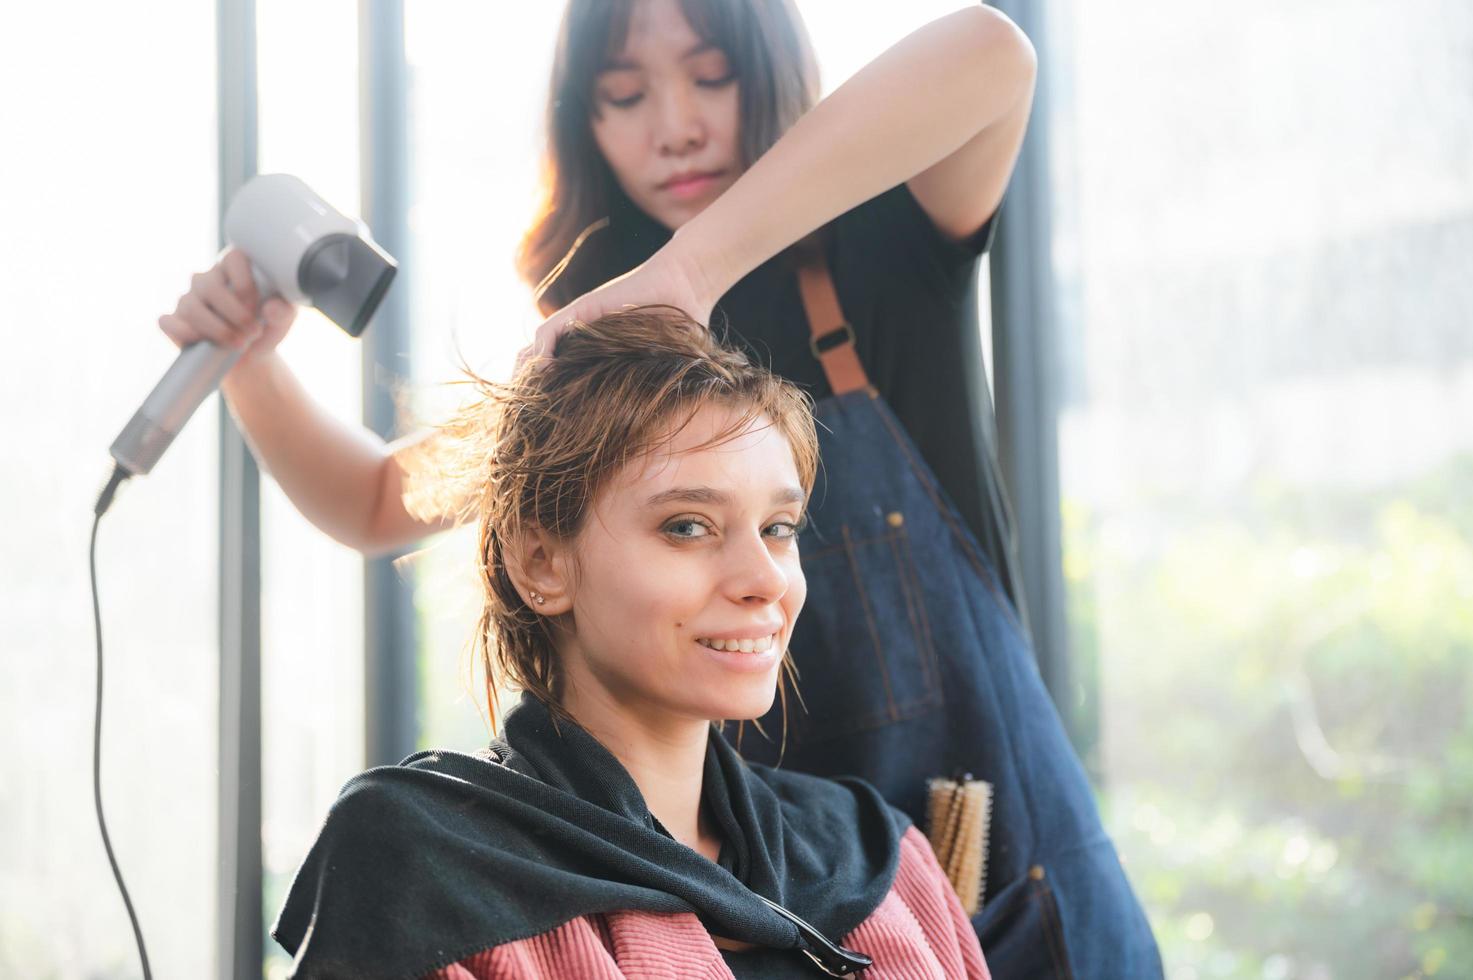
<point>104,500</point>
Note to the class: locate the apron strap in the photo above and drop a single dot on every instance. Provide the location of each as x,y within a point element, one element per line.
<point>831,336</point>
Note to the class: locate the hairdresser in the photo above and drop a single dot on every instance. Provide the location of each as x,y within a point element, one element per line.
<point>688,164</point>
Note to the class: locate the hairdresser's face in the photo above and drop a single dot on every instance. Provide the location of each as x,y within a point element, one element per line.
<point>666,115</point>
<point>688,578</point>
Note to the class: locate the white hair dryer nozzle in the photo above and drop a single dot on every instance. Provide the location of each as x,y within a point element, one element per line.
<point>300,248</point>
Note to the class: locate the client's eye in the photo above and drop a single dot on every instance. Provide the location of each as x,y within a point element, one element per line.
<point>686,528</point>
<point>787,530</point>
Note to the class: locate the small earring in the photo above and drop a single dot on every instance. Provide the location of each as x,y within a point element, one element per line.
<point>538,598</point>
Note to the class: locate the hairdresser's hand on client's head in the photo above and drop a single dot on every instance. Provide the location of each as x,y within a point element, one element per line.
<point>661,281</point>
<point>222,306</point>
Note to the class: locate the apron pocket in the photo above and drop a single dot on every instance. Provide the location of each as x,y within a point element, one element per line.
<point>1021,934</point>
<point>863,636</point>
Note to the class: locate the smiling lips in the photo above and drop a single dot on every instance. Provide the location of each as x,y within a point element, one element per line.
<point>758,644</point>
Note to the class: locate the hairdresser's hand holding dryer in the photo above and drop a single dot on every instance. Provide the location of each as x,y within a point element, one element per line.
<point>838,242</point>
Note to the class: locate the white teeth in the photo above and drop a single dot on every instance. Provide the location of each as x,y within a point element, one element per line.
<point>760,645</point>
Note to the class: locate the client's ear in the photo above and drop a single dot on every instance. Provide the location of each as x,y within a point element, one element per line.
<point>539,564</point>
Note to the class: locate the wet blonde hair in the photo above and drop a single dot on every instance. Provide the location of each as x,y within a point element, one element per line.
<point>535,453</point>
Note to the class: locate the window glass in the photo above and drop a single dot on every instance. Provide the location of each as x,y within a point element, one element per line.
<point>108,204</point>
<point>311,586</point>
<point>1264,223</point>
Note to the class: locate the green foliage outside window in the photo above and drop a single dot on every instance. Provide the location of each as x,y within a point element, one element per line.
<point>1287,740</point>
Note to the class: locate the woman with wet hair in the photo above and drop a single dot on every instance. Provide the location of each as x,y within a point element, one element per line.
<point>690,163</point>
<point>639,499</point>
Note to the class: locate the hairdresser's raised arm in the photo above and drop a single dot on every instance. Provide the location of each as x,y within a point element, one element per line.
<point>343,478</point>
<point>943,110</point>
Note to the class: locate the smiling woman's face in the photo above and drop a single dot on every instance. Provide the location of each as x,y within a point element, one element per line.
<point>667,115</point>
<point>688,581</point>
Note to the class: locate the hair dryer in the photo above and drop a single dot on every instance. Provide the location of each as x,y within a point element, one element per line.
<point>300,249</point>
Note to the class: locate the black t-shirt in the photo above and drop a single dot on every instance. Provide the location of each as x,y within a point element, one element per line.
<point>911,296</point>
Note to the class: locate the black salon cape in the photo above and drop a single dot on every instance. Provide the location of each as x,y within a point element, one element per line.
<point>423,864</point>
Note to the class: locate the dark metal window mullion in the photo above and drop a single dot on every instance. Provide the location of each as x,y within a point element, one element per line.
<point>240,925</point>
<point>1026,378</point>
<point>389,628</point>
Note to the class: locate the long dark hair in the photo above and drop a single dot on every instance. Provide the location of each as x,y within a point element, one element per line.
<point>768,49</point>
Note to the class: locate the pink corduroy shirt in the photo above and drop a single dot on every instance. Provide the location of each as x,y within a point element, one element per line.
<point>919,932</point>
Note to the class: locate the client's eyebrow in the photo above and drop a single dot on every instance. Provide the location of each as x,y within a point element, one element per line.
<point>710,495</point>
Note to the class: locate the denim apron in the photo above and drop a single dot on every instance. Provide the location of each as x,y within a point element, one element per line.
<point>912,665</point>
